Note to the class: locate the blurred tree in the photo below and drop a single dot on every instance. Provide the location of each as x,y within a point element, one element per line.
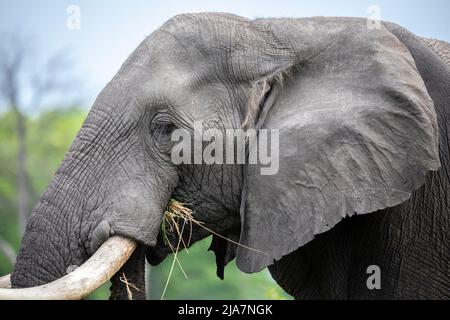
<point>18,79</point>
<point>48,139</point>
<point>8,251</point>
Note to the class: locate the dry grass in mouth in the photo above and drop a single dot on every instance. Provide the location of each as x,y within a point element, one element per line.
<point>124,279</point>
<point>176,214</point>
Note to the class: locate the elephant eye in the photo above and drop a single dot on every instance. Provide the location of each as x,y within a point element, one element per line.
<point>161,134</point>
<point>163,130</point>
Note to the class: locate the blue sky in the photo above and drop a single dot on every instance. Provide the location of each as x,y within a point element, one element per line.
<point>110,30</point>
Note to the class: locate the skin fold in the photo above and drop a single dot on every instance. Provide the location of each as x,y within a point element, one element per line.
<point>363,126</point>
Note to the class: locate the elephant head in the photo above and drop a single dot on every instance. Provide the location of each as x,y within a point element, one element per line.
<point>357,133</point>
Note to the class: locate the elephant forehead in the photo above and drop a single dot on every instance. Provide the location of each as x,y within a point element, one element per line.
<point>163,62</point>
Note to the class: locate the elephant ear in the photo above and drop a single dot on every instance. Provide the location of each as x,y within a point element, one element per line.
<point>357,133</point>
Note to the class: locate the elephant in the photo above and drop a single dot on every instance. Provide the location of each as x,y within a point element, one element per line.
<point>363,160</point>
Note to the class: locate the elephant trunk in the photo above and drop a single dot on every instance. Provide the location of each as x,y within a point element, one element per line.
<point>53,242</point>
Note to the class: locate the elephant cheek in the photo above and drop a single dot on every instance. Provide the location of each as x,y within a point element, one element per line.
<point>134,211</point>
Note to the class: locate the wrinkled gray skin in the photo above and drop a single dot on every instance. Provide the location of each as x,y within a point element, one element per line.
<point>363,129</point>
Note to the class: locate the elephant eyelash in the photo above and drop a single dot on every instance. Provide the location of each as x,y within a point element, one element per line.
<point>160,132</point>
<point>163,130</point>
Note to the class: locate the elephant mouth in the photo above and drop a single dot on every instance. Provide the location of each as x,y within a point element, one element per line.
<point>98,269</point>
<point>155,255</point>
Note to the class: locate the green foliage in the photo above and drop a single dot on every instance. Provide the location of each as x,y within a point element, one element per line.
<point>48,139</point>
<point>202,283</point>
<point>8,147</point>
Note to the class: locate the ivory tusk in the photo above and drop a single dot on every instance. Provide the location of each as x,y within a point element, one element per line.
<point>5,281</point>
<point>98,269</point>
